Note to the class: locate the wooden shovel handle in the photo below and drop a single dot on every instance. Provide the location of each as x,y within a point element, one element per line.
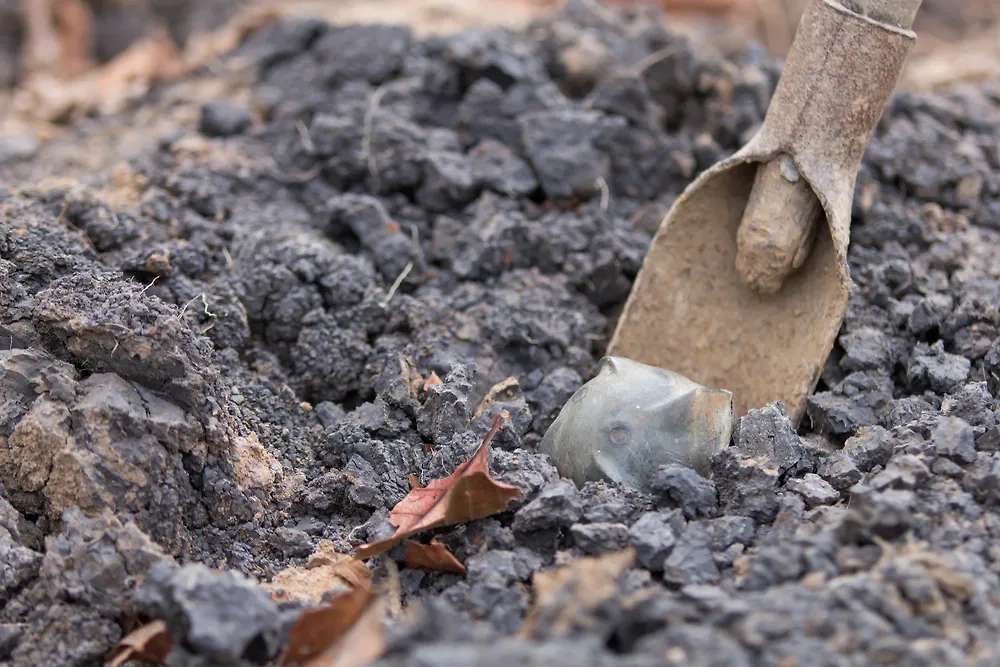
<point>783,215</point>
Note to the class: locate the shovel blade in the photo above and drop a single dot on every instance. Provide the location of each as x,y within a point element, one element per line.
<point>690,313</point>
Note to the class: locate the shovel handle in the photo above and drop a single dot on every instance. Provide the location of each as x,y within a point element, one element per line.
<point>783,214</point>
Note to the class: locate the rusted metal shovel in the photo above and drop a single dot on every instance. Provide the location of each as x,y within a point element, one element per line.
<point>746,282</point>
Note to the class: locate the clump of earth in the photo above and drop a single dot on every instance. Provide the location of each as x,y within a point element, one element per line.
<point>219,354</point>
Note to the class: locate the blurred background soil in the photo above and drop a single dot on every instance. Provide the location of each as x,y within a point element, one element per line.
<point>62,61</point>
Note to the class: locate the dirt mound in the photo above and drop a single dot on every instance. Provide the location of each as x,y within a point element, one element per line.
<point>294,317</point>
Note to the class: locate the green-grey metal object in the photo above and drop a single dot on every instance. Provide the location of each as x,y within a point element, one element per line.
<point>631,419</point>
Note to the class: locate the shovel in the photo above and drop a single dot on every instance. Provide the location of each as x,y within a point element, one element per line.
<point>745,285</point>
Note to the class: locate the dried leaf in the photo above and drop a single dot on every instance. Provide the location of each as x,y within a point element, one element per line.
<point>319,627</point>
<point>148,643</point>
<point>467,494</point>
<point>325,570</point>
<point>434,557</point>
<point>566,594</point>
<point>501,392</point>
<point>362,644</point>
<point>431,381</point>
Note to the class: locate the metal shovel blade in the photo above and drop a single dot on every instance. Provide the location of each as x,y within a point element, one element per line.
<point>692,310</point>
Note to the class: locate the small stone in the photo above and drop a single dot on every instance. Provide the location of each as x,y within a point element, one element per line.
<point>929,313</point>
<point>449,181</point>
<point>747,487</point>
<point>224,119</point>
<point>653,537</point>
<point>224,616</point>
<point>599,538</point>
<point>989,441</point>
<point>887,514</point>
<point>955,439</point>
<point>506,567</point>
<point>973,403</point>
<point>840,471</point>
<point>727,531</point>
<point>686,489</point>
<point>329,414</point>
<point>14,147</point>
<point>10,635</point>
<point>870,447</point>
<point>865,349</point>
<point>446,409</point>
<point>501,170</point>
<point>903,472</point>
<point>814,490</point>
<point>983,481</point>
<point>767,433</point>
<point>838,415</point>
<point>18,566</point>
<point>691,561</point>
<point>939,370</point>
<point>947,468</point>
<point>558,505</point>
<point>560,146</point>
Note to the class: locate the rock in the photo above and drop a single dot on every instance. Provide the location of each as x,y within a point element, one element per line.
<point>903,472</point>
<point>599,538</point>
<point>14,147</point>
<point>367,218</point>
<point>814,490</point>
<point>115,445</point>
<point>840,471</point>
<point>18,528</point>
<point>560,146</point>
<point>974,404</point>
<point>10,635</point>
<point>450,180</point>
<point>746,486</point>
<point>371,53</point>
<point>223,616</point>
<point>653,537</point>
<point>499,168</point>
<point>982,480</point>
<point>929,313</point>
<point>955,439</point>
<point>690,561</point>
<point>989,441</point>
<point>937,369</point>
<point>503,566</point>
<point>18,566</point>
<point>683,487</point>
<point>446,409</point>
<point>98,562</point>
<point>865,349</point>
<point>887,514</point>
<point>727,531</point>
<point>556,506</point>
<point>766,433</point>
<point>870,447</point>
<point>224,119</point>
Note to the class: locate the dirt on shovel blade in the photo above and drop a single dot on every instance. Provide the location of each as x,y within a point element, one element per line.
<point>281,310</point>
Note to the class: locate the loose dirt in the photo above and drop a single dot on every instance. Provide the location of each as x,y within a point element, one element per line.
<point>239,337</point>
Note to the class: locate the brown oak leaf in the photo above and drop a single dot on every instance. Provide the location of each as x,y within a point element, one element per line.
<point>434,557</point>
<point>320,627</point>
<point>148,643</point>
<point>467,494</point>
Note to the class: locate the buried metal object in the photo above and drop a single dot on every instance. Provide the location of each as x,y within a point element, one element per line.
<point>631,419</point>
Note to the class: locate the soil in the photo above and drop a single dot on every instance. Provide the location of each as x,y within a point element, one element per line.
<point>221,332</point>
